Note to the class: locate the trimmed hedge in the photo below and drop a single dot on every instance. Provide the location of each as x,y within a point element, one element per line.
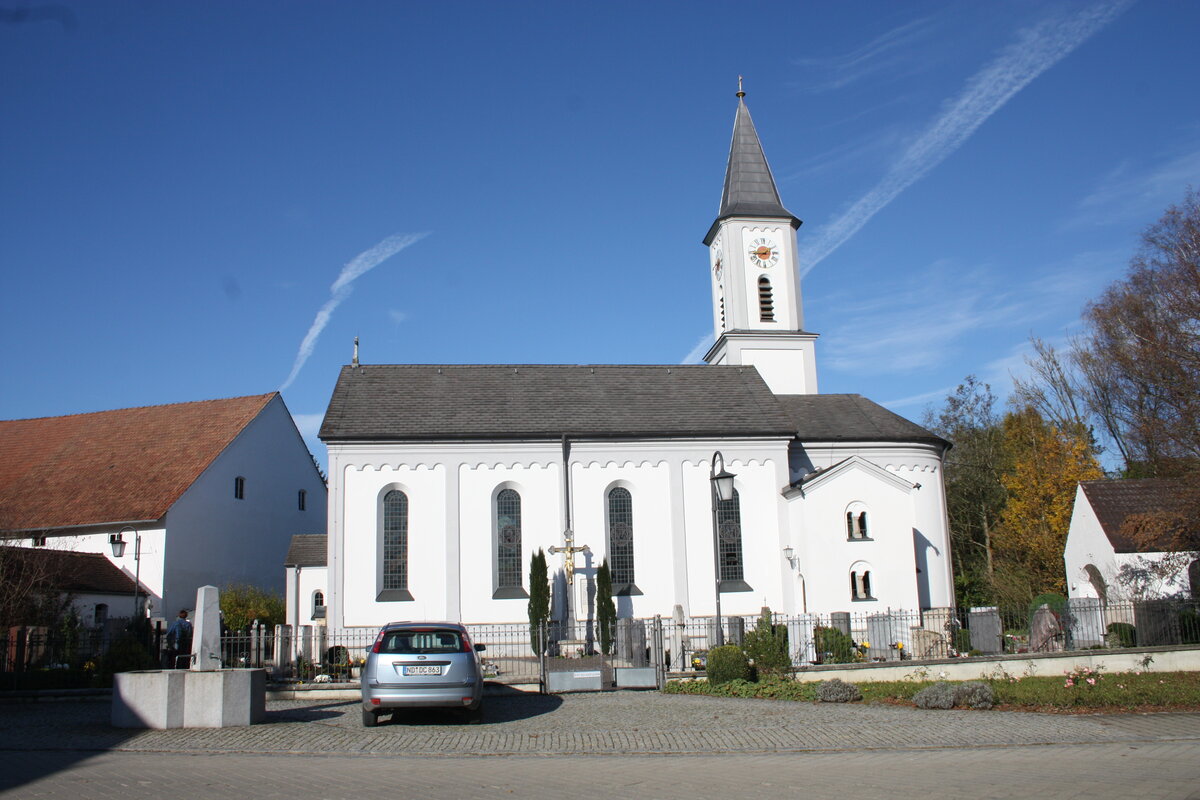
<point>727,663</point>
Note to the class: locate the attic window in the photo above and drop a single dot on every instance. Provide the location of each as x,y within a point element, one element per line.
<point>301,498</point>
<point>766,303</point>
<point>239,488</point>
<point>38,541</point>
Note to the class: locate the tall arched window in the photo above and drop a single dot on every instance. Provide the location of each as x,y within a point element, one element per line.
<point>729,550</point>
<point>508,545</point>
<point>856,522</point>
<point>318,600</point>
<point>766,302</point>
<point>620,539</point>
<point>1194,579</point>
<point>101,616</point>
<point>395,546</point>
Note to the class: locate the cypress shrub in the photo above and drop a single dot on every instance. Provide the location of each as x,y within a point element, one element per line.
<point>727,663</point>
<point>1122,634</point>
<point>834,647</point>
<point>606,610</point>
<point>539,600</point>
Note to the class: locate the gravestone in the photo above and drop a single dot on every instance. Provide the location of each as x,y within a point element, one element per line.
<point>1086,621</point>
<point>1045,633</point>
<point>987,632</point>
<point>1157,622</point>
<point>879,636</point>
<point>801,639</point>
<point>841,621</point>
<point>676,654</point>
<point>736,627</point>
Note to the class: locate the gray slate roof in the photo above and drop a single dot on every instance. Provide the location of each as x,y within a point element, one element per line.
<point>850,417</point>
<point>749,189</point>
<point>307,550</point>
<point>534,401</point>
<point>430,402</point>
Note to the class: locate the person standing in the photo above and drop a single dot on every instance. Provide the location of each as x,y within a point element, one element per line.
<point>179,639</point>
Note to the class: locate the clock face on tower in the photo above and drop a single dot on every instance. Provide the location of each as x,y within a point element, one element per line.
<point>718,263</point>
<point>764,252</point>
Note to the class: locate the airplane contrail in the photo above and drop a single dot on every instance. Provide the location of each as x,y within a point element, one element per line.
<point>1035,50</point>
<point>340,290</point>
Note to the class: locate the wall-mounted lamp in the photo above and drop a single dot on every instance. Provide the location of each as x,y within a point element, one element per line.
<point>790,555</point>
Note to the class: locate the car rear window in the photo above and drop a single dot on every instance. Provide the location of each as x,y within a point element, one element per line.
<point>421,641</point>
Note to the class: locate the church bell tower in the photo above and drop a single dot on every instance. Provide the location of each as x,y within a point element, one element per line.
<point>758,318</point>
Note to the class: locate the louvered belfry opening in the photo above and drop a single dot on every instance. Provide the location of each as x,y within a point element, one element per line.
<point>766,303</point>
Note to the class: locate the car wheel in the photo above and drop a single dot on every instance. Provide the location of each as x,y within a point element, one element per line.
<point>473,716</point>
<point>370,719</point>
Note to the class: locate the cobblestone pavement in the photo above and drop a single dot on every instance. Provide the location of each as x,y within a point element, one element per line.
<point>653,745</point>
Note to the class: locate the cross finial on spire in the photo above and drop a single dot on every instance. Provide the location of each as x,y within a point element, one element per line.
<point>354,361</point>
<point>740,93</point>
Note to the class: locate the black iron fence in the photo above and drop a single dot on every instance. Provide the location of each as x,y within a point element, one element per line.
<point>892,635</point>
<point>49,658</point>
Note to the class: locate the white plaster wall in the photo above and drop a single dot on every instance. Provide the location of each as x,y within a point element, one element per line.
<point>826,555</point>
<point>84,603</point>
<point>1087,544</point>
<point>214,538</point>
<point>311,579</point>
<point>929,534</point>
<point>364,490</point>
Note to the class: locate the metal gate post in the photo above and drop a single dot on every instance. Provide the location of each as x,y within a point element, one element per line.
<point>656,651</point>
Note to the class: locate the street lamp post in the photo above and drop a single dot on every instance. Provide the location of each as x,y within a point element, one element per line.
<point>721,485</point>
<point>117,540</point>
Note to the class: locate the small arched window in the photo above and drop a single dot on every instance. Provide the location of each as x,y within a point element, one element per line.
<point>508,544</point>
<point>318,605</point>
<point>856,522</point>
<point>766,303</point>
<point>239,488</point>
<point>860,583</point>
<point>620,538</point>
<point>395,543</point>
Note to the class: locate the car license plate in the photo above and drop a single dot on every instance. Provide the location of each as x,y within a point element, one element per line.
<point>422,669</point>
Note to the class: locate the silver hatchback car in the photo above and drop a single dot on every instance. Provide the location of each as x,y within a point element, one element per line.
<point>422,665</point>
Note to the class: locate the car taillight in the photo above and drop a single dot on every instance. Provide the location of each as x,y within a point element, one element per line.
<point>466,644</point>
<point>375,648</point>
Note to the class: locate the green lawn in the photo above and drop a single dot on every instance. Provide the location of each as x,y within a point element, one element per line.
<point>1121,691</point>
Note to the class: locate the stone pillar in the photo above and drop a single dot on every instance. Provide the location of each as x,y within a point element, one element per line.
<point>678,624</point>
<point>206,635</point>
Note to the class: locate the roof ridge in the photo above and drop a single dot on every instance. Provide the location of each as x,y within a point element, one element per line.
<point>265,398</point>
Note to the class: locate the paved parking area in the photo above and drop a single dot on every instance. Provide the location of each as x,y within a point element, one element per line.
<point>652,746</point>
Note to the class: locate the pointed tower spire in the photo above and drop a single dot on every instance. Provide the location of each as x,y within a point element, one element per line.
<point>749,186</point>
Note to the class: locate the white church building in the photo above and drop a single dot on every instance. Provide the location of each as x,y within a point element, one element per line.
<point>444,480</point>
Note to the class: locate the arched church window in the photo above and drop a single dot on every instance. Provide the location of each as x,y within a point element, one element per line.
<point>395,540</point>
<point>318,601</point>
<point>766,303</point>
<point>620,538</point>
<point>729,536</point>
<point>508,540</point>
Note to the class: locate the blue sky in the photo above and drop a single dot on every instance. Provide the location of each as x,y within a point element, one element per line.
<point>204,200</point>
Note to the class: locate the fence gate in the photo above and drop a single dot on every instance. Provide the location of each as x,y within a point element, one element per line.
<point>577,659</point>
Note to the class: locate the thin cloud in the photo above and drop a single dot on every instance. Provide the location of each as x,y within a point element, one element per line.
<point>340,290</point>
<point>696,354</point>
<point>878,55</point>
<point>1129,192</point>
<point>397,316</point>
<point>1035,50</point>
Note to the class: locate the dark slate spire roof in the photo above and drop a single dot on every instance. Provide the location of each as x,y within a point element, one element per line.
<point>749,187</point>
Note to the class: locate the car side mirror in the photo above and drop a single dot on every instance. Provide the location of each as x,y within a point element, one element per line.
<point>479,648</point>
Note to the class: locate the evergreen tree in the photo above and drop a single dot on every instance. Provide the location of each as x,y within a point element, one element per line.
<point>606,610</point>
<point>539,600</point>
